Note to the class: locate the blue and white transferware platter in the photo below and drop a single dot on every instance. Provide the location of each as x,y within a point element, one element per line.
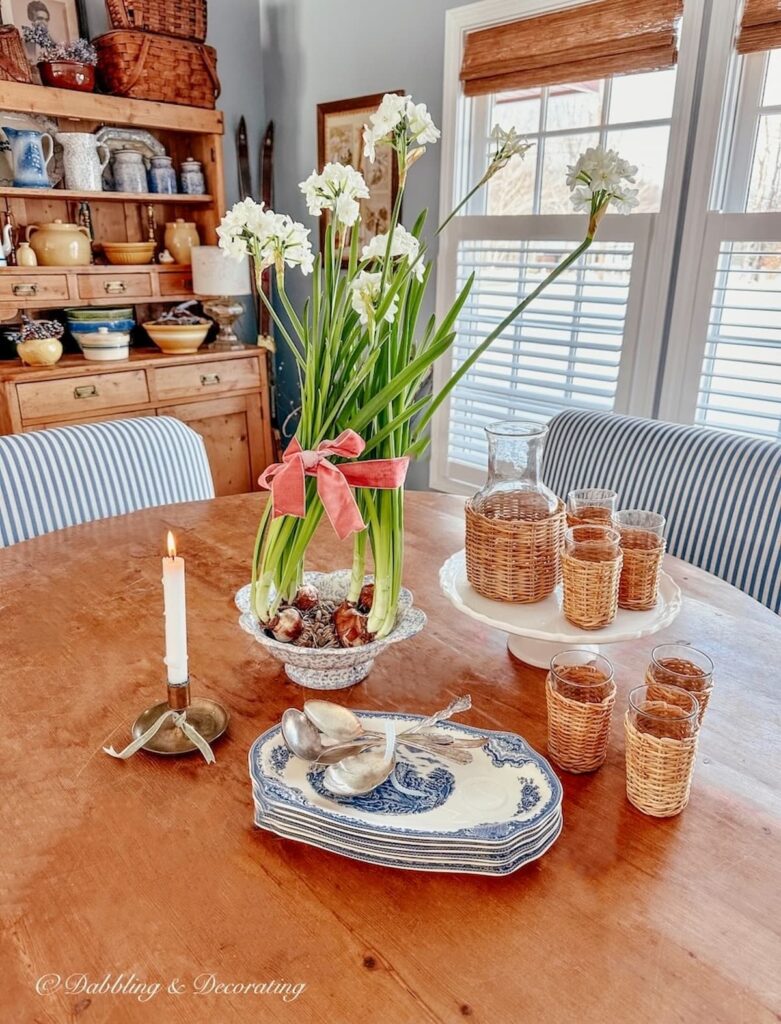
<point>457,864</point>
<point>331,668</point>
<point>495,814</point>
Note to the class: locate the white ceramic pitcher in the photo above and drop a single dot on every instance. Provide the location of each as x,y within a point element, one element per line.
<point>83,161</point>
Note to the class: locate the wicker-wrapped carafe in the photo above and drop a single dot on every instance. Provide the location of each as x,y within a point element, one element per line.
<point>514,525</point>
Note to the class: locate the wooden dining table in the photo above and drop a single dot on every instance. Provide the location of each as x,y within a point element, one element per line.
<point>128,885</point>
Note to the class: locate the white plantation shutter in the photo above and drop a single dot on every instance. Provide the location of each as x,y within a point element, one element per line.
<point>568,350</point>
<point>740,380</point>
<point>731,376</point>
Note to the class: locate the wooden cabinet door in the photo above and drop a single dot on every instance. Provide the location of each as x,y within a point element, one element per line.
<point>231,430</point>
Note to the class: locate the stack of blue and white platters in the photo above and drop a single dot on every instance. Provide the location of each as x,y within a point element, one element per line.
<point>489,817</point>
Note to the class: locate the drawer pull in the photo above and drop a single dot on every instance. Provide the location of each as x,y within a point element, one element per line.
<point>210,378</point>
<point>86,391</point>
<point>115,287</point>
<point>25,290</point>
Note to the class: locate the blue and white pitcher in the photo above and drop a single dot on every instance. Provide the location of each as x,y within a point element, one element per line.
<point>28,152</point>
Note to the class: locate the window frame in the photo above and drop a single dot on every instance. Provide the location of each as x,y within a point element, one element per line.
<point>644,341</point>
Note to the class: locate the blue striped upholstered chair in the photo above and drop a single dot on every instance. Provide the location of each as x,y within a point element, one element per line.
<point>67,475</point>
<point>720,492</point>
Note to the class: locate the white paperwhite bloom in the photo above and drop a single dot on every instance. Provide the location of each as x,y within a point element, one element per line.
<point>509,143</point>
<point>403,246</point>
<point>398,118</point>
<point>366,297</point>
<point>338,189</point>
<point>271,238</point>
<point>601,176</point>
<point>421,126</point>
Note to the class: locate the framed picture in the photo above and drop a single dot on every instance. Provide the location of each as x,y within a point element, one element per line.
<point>340,140</point>
<point>66,20</point>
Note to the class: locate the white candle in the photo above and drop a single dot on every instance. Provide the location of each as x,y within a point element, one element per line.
<point>175,615</point>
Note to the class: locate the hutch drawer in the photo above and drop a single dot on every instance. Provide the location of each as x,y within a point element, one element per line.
<point>119,285</point>
<point>176,282</point>
<point>31,286</point>
<point>80,397</point>
<point>206,379</point>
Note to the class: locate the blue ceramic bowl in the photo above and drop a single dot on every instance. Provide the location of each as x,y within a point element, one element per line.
<point>93,326</point>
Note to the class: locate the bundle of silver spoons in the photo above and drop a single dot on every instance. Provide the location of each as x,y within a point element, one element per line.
<point>357,760</point>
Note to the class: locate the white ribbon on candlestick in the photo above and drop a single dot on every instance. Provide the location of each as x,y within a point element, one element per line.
<point>180,720</point>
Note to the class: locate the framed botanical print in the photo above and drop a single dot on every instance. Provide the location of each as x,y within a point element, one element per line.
<point>340,140</point>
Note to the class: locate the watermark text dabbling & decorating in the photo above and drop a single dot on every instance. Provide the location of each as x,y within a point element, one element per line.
<point>130,985</point>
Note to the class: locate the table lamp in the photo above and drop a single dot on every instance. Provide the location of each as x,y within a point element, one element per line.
<point>218,280</point>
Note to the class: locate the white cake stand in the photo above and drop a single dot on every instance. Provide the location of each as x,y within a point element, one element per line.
<point>539,631</point>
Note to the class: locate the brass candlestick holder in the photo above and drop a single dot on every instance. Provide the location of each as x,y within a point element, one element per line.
<point>207,717</point>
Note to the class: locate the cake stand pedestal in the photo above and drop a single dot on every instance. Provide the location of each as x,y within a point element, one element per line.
<point>537,632</point>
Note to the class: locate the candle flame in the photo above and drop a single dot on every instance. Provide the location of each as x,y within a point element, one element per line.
<point>171,545</point>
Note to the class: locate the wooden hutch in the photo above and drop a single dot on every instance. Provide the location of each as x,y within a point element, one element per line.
<point>224,396</point>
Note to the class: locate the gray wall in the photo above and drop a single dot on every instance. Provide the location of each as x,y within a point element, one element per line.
<point>320,50</point>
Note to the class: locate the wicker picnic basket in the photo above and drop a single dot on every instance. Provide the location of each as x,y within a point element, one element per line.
<point>185,18</point>
<point>14,66</point>
<point>143,66</point>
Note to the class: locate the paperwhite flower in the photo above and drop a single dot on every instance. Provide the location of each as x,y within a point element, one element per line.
<point>599,177</point>
<point>509,143</point>
<point>366,297</point>
<point>338,189</point>
<point>398,119</point>
<point>403,246</point>
<point>421,127</point>
<point>270,238</point>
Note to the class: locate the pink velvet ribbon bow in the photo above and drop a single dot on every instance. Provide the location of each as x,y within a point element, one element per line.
<point>286,480</point>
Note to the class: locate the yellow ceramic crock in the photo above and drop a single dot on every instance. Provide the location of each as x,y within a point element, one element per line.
<point>60,245</point>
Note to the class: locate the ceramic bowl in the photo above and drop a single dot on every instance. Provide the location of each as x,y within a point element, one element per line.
<point>40,351</point>
<point>68,74</point>
<point>93,326</point>
<point>103,346</point>
<point>178,339</point>
<point>331,668</point>
<point>129,253</point>
<point>103,313</point>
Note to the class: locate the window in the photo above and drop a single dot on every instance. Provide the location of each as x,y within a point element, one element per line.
<point>581,343</point>
<point>726,351</point>
<point>676,310</point>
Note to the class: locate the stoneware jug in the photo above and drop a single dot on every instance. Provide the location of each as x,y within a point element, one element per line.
<point>28,153</point>
<point>129,171</point>
<point>84,159</point>
<point>180,237</point>
<point>162,176</point>
<point>60,245</point>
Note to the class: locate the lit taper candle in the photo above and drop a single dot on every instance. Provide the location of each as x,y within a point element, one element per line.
<point>175,616</point>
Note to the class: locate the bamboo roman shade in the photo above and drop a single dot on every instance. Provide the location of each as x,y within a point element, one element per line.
<point>578,44</point>
<point>760,28</point>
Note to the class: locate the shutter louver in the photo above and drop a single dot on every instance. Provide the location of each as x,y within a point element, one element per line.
<point>579,44</point>
<point>740,381</point>
<point>564,352</point>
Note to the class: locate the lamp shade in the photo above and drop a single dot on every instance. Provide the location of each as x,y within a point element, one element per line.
<point>216,273</point>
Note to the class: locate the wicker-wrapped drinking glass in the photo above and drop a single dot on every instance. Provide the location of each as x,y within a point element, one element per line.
<point>661,745</point>
<point>580,694</point>
<point>591,569</point>
<point>684,666</point>
<point>643,547</point>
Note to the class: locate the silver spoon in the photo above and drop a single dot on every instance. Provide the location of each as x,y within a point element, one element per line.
<point>300,735</point>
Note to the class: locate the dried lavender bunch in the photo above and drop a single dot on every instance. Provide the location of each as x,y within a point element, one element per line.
<point>40,329</point>
<point>81,51</point>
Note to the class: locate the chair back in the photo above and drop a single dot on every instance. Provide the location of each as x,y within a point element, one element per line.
<point>58,477</point>
<point>720,492</point>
